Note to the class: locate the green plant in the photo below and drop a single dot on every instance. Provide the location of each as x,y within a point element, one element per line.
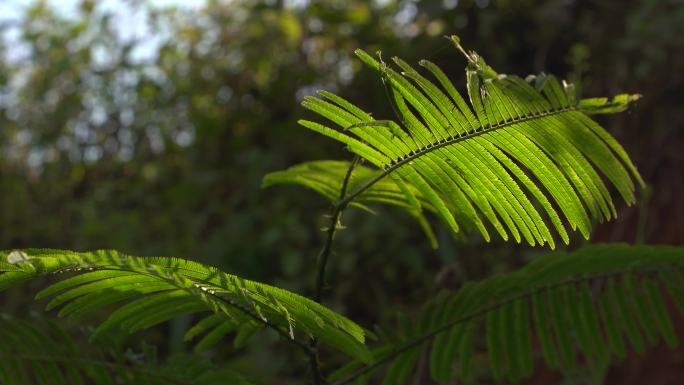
<point>522,160</point>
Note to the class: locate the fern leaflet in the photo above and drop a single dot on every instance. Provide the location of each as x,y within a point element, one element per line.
<point>594,303</point>
<point>510,161</point>
<point>326,176</point>
<point>157,289</point>
<point>44,353</point>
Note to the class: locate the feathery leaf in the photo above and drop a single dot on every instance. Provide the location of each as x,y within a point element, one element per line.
<point>556,299</point>
<point>523,159</point>
<point>157,289</point>
<point>44,354</point>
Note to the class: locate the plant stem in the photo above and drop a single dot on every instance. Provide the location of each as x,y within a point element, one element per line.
<point>322,261</point>
<point>335,216</point>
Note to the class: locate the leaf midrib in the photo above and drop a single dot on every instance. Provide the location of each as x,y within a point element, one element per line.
<point>396,163</point>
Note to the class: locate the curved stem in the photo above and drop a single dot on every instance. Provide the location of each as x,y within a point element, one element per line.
<point>335,215</point>
<point>322,261</point>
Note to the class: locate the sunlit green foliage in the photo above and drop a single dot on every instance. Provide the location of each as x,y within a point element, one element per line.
<point>159,289</point>
<point>163,156</point>
<point>491,164</point>
<point>325,177</point>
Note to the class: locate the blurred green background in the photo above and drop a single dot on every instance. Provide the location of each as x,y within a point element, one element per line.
<point>155,143</point>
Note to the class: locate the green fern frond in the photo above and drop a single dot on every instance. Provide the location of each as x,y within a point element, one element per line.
<point>326,177</point>
<point>157,289</point>
<point>34,353</point>
<point>517,157</point>
<point>595,303</point>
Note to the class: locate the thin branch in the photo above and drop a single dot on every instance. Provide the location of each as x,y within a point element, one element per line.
<point>335,215</point>
<point>396,163</point>
<point>322,262</point>
<point>478,313</point>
